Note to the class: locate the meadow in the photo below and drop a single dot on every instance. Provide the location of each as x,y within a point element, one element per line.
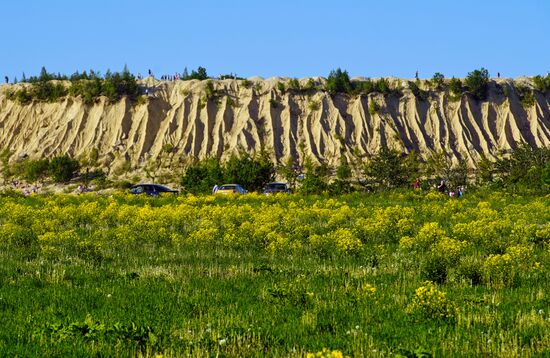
<point>405,273</point>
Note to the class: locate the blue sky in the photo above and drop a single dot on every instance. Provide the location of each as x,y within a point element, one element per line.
<point>280,38</point>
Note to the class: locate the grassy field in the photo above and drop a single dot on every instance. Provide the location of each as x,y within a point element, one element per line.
<point>405,273</point>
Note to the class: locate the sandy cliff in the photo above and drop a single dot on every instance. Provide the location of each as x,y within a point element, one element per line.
<point>293,123</point>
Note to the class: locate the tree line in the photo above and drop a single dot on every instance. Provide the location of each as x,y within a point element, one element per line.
<point>522,168</point>
<point>49,87</point>
<point>475,84</point>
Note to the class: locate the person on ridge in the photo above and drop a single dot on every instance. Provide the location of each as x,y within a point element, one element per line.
<point>416,184</point>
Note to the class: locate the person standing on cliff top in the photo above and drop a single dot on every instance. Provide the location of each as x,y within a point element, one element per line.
<point>7,79</point>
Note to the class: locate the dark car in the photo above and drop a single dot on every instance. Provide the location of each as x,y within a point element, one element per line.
<point>274,188</point>
<point>151,189</point>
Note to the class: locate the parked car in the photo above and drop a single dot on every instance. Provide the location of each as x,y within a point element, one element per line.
<point>274,188</point>
<point>151,189</point>
<point>231,189</point>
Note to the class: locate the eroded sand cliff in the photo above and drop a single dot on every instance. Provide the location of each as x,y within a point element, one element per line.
<point>249,117</point>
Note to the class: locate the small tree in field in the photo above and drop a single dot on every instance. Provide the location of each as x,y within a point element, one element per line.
<point>484,172</point>
<point>252,172</point>
<point>63,168</point>
<point>200,177</point>
<point>288,171</point>
<point>387,169</point>
<point>33,170</point>
<point>342,184</point>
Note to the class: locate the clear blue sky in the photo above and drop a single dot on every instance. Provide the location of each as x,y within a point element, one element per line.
<point>277,38</point>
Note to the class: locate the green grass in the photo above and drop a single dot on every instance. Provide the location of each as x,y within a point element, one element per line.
<point>109,292</point>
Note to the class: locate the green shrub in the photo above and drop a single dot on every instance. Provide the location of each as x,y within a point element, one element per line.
<point>383,86</point>
<point>313,105</point>
<point>23,96</point>
<point>434,269</point>
<point>140,100</point>
<point>201,176</point>
<point>417,91</point>
<point>477,82</point>
<point>288,170</point>
<point>380,86</point>
<point>168,148</point>
<point>115,85</point>
<point>458,174</point>
<point>542,84</point>
<point>484,171</point>
<point>432,303</point>
<point>342,184</point>
<point>252,172</point>
<point>310,85</point>
<point>88,90</point>
<point>16,235</point>
<point>231,76</point>
<point>470,269</point>
<point>33,170</point>
<point>455,87</point>
<point>294,84</point>
<point>523,166</point>
<point>374,107</point>
<point>438,80</point>
<point>526,95</point>
<point>122,184</point>
<point>315,180</point>
<point>546,174</point>
<point>281,87</point>
<point>273,103</point>
<point>313,184</point>
<point>63,168</point>
<point>48,91</point>
<point>388,169</point>
<point>210,90</point>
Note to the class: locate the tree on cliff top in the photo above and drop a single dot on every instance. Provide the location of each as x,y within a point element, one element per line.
<point>338,82</point>
<point>477,82</point>
<point>198,74</point>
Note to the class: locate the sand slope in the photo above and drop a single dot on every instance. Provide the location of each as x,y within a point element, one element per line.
<point>289,124</point>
